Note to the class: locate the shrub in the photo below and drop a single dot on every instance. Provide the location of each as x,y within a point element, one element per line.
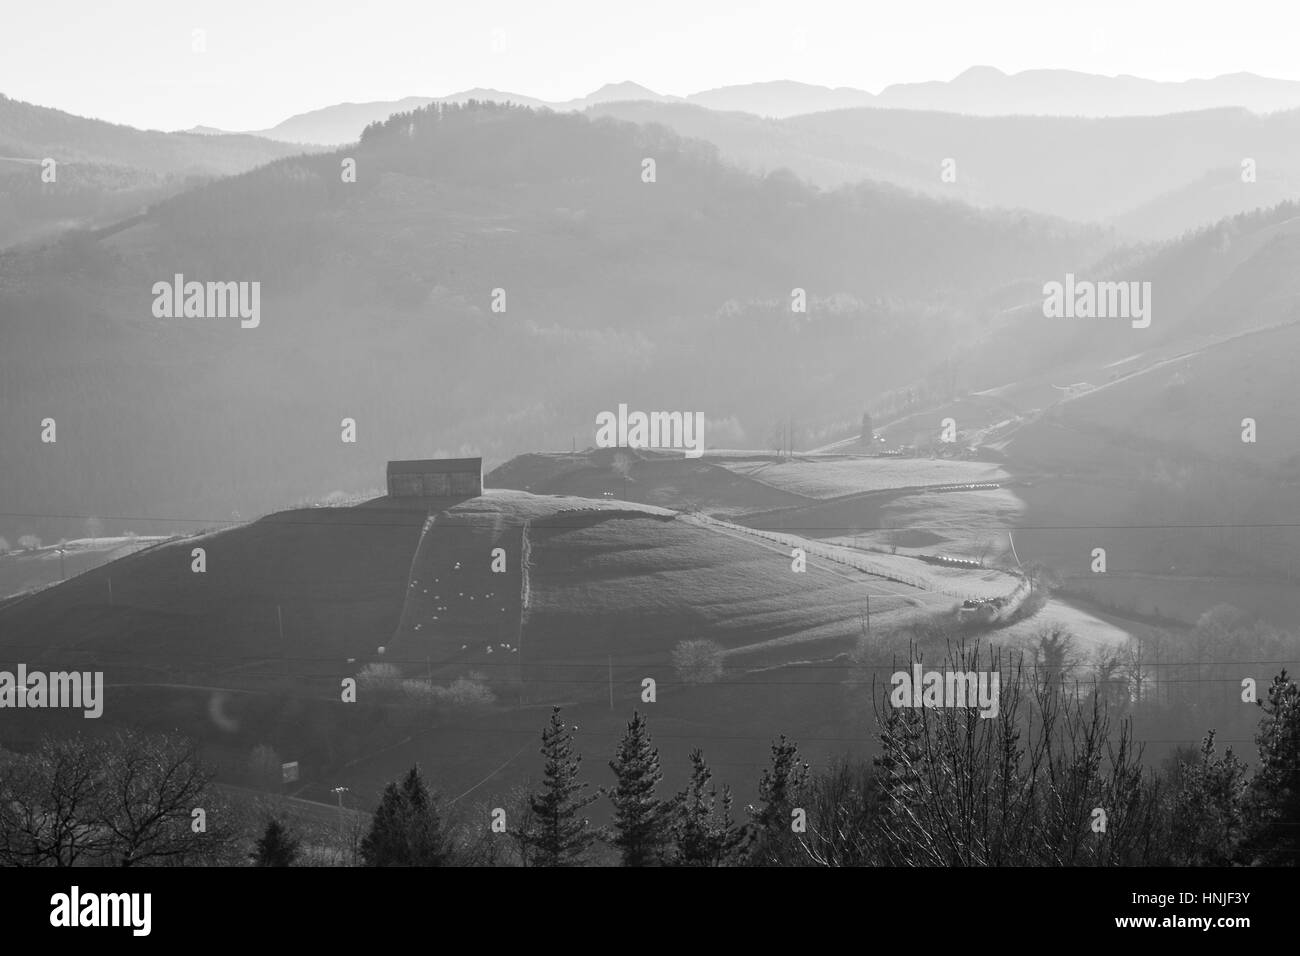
<point>698,662</point>
<point>380,680</point>
<point>464,692</point>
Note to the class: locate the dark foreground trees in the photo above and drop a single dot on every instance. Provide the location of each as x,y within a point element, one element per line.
<point>277,846</point>
<point>1051,776</point>
<point>702,831</point>
<point>1272,804</point>
<point>640,828</point>
<point>558,833</point>
<point>127,799</point>
<point>407,827</point>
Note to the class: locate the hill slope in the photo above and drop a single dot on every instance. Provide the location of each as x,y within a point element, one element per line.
<point>377,305</point>
<point>1151,177</point>
<point>103,171</point>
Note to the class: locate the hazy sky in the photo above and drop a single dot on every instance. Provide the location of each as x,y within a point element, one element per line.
<point>132,61</point>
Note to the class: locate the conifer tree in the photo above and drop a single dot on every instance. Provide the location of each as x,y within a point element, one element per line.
<point>781,790</point>
<point>641,820</point>
<point>1274,797</point>
<point>407,828</point>
<point>277,846</point>
<point>704,833</point>
<point>559,834</point>
<point>383,844</point>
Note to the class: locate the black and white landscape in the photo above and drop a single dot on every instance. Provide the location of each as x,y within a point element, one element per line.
<point>479,457</point>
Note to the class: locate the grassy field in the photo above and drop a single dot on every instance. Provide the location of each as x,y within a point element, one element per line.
<point>610,584</point>
<point>297,590</point>
<point>611,589</point>
<point>594,595</point>
<point>833,477</point>
<point>666,480</point>
<point>22,571</point>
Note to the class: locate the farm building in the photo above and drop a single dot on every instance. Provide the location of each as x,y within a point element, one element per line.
<point>436,478</point>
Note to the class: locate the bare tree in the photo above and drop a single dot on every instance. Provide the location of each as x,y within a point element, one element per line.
<point>124,800</point>
<point>47,804</point>
<point>146,808</point>
<point>1047,781</point>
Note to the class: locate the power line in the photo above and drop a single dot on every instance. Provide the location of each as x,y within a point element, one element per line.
<point>553,522</point>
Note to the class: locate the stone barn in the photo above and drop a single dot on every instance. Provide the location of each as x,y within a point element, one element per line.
<point>435,480</point>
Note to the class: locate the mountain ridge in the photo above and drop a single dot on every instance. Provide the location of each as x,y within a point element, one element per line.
<point>978,90</point>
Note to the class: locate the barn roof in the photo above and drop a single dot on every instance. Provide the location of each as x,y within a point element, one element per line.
<point>424,466</point>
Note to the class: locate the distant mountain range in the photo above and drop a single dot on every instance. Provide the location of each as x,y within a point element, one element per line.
<point>1151,178</point>
<point>979,91</point>
<point>103,171</point>
<point>375,299</point>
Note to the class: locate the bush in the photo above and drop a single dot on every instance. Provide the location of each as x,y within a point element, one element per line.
<point>464,692</point>
<point>698,662</point>
<point>380,680</point>
<point>384,682</point>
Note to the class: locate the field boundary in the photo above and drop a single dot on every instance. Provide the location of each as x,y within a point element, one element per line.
<point>848,558</point>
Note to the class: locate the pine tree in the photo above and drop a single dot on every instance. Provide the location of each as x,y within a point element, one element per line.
<point>781,790</point>
<point>640,829</point>
<point>704,833</point>
<point>276,847</point>
<point>429,845</point>
<point>407,828</point>
<point>1274,796</point>
<point>1205,804</point>
<point>384,843</point>
<point>559,835</point>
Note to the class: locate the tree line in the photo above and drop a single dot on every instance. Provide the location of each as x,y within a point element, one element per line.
<point>1056,778</point>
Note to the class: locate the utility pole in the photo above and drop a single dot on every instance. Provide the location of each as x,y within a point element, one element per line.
<point>340,791</point>
<point>523,603</point>
<point>1138,671</point>
<point>1156,676</point>
<point>110,592</point>
<point>611,681</point>
<point>63,571</point>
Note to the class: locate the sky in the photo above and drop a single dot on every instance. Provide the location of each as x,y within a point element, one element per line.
<point>253,64</point>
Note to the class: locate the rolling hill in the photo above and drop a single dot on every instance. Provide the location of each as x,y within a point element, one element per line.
<point>377,306</point>
<point>250,654</point>
<point>104,171</point>
<point>978,91</point>
<point>1150,177</point>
